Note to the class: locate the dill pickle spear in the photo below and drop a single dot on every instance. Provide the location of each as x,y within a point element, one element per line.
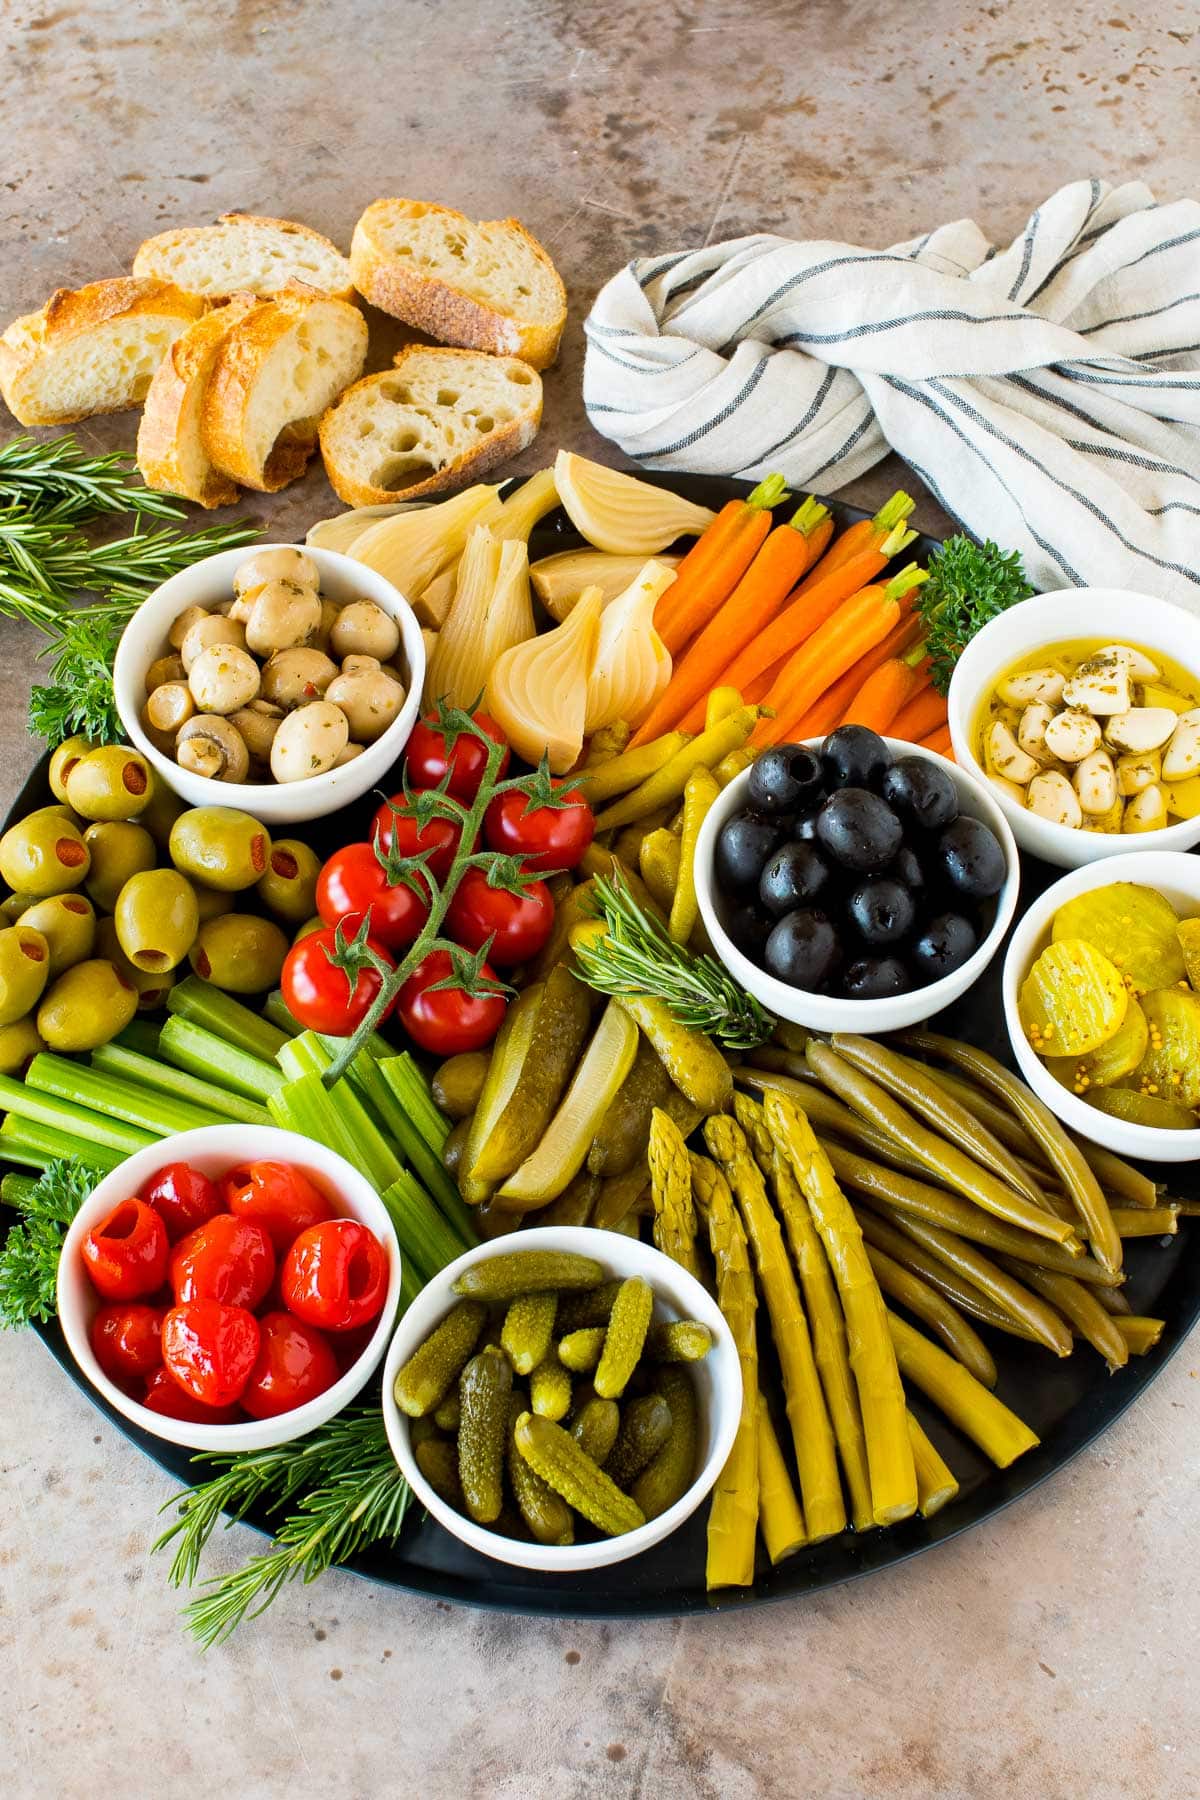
<point>508,1056</point>
<point>553,1454</point>
<point>624,1337</point>
<point>645,1428</point>
<point>621,1138</point>
<point>423,1382</point>
<point>484,1389</point>
<point>560,1026</point>
<point>516,1272</point>
<point>528,1327</point>
<point>559,1156</point>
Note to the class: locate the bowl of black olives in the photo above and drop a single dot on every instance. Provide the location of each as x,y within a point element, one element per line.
<point>856,883</point>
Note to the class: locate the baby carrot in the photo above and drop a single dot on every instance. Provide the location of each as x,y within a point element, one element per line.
<point>940,741</point>
<point>716,563</point>
<point>830,709</point>
<point>864,534</point>
<point>781,561</point>
<point>886,690</point>
<point>924,714</point>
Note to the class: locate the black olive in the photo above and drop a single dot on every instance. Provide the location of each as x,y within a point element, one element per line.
<point>750,927</point>
<point>785,778</point>
<point>803,950</point>
<point>968,854</point>
<point>852,756</point>
<point>907,868</point>
<point>859,830</point>
<point>744,843</point>
<point>944,945</point>
<point>881,910</point>
<point>797,875</point>
<point>805,829</point>
<point>876,978</point>
<point>921,792</point>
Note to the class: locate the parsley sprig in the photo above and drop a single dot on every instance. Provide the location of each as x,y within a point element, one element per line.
<point>968,584</point>
<point>29,1253</point>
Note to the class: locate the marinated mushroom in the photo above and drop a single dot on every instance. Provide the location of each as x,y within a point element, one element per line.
<point>162,670</point>
<point>349,754</point>
<point>170,706</point>
<point>364,629</point>
<point>212,746</point>
<point>258,724</point>
<point>224,678</point>
<point>293,677</point>
<point>284,563</point>
<point>370,699</point>
<point>191,615</point>
<point>329,612</point>
<point>212,629</point>
<point>309,741</point>
<point>282,615</point>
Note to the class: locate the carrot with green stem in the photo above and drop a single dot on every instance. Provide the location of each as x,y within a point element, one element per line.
<point>716,563</point>
<point>888,688</point>
<point>781,561</point>
<point>829,711</point>
<point>864,534</point>
<point>924,714</point>
<point>857,625</point>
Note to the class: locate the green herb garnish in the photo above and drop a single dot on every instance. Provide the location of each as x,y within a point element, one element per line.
<point>968,584</point>
<point>29,1254</point>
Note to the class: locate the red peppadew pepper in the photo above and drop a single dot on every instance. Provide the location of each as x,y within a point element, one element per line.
<point>210,1349</point>
<point>277,1196</point>
<point>226,1259</point>
<point>335,1275</point>
<point>295,1363</point>
<point>126,1253</point>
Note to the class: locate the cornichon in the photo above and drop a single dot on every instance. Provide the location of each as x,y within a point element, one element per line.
<point>484,1390</point>
<point>595,1427</point>
<point>553,1454</point>
<point>508,1055</point>
<point>591,1307</point>
<point>437,1460</point>
<point>516,1272</point>
<point>621,1139</point>
<point>546,1513</point>
<point>681,1340</point>
<point>645,1428</point>
<point>581,1350</point>
<point>559,1155</point>
<point>528,1328</point>
<point>449,1413</point>
<point>624,1337</point>
<point>560,1026</point>
<point>670,1475</point>
<point>427,1375</point>
<point>693,1062</point>
<point>550,1389</point>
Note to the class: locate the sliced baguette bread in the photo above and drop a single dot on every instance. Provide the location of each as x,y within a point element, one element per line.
<point>275,373</point>
<point>487,287</point>
<point>170,444</point>
<point>92,349</point>
<point>245,254</point>
<point>435,420</point>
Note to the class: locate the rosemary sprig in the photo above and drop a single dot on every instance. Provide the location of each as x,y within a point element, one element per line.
<point>29,1254</point>
<point>63,475</point>
<point>638,957</point>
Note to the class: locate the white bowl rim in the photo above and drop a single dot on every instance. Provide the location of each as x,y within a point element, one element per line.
<point>639,1258</point>
<point>232,1144</point>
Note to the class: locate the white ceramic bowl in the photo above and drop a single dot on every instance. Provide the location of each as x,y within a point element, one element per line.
<point>677,1295</point>
<point>274,803</point>
<point>213,1149</point>
<point>828,1012</point>
<point>1113,615</point>
<point>1177,877</point>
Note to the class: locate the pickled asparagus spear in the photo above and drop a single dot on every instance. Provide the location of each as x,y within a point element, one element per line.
<point>733,1519</point>
<point>935,1481</point>
<point>674,1226</point>
<point>955,1391</point>
<point>872,1357</point>
<point>778,1509</point>
<point>812,1434</point>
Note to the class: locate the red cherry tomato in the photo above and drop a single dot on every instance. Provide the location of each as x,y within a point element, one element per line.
<point>295,1363</point>
<point>182,1197</point>
<point>427,757</point>
<point>126,1254</point>
<point>518,924</point>
<point>353,885</point>
<point>319,995</point>
<point>164,1395</point>
<point>547,837</point>
<point>225,1259</point>
<point>393,823</point>
<point>127,1339</point>
<point>210,1349</point>
<point>277,1196</point>
<point>335,1275</point>
<point>447,1020</point>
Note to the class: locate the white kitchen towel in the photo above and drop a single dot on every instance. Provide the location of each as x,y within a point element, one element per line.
<point>1047,394</point>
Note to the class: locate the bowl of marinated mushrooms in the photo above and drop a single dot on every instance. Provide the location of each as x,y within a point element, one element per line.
<point>291,673</point>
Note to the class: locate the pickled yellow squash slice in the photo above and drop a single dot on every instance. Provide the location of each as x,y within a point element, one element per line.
<point>1072,1000</point>
<point>1134,927</point>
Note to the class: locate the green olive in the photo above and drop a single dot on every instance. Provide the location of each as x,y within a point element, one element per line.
<point>162,812</point>
<point>289,887</point>
<point>211,902</point>
<point>110,783</point>
<point>316,923</point>
<point>24,971</point>
<point>220,846</point>
<point>16,906</point>
<point>151,985</point>
<point>157,919</point>
<point>43,854</point>
<point>63,761</point>
<point>118,850</point>
<point>86,1007</point>
<point>239,952</point>
<point>68,924</point>
<point>19,1042</point>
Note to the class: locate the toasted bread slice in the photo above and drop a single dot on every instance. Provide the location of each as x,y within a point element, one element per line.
<point>170,443</point>
<point>435,420</point>
<point>275,373</point>
<point>487,287</point>
<point>92,349</point>
<point>245,254</point>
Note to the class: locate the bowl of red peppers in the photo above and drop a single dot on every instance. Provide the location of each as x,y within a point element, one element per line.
<point>230,1288</point>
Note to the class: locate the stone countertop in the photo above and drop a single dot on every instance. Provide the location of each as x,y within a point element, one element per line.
<point>1052,1651</point>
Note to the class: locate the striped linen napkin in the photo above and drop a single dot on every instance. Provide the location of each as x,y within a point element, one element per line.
<point>1047,394</point>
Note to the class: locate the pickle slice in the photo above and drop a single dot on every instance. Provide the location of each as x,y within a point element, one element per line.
<point>1188,933</point>
<point>1111,1061</point>
<point>1170,1069</point>
<point>1072,1000</point>
<point>1142,1109</point>
<point>1133,926</point>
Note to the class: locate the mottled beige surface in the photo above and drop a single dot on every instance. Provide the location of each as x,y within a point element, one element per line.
<point>1050,1655</point>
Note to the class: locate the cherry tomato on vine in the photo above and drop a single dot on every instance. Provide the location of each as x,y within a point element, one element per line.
<point>210,1349</point>
<point>126,1253</point>
<point>427,756</point>
<point>518,924</point>
<point>225,1259</point>
<point>449,1019</point>
<point>295,1363</point>
<point>354,884</point>
<point>319,995</point>
<point>182,1197</point>
<point>127,1338</point>
<point>394,824</point>
<point>335,1275</point>
<point>164,1395</point>
<point>277,1196</point>
<point>547,837</point>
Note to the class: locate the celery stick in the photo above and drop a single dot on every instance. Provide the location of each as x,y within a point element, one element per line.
<point>77,1121</point>
<point>203,1004</point>
<point>411,1087</point>
<point>302,1055</point>
<point>156,1112</point>
<point>276,1009</point>
<point>37,1145</point>
<point>15,1189</point>
<point>388,1088</point>
<point>140,1035</point>
<point>338,1118</point>
<point>423,1233</point>
<point>410,1283</point>
<point>202,1053</point>
<point>114,1059</point>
